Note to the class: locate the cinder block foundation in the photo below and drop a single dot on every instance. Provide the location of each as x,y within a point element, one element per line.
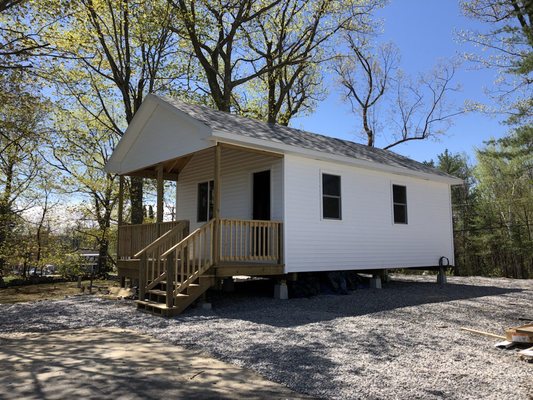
<point>281,292</point>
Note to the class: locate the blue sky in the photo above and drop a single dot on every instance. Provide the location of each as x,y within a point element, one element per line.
<point>424,32</point>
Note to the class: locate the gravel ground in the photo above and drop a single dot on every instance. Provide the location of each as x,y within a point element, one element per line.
<point>401,342</point>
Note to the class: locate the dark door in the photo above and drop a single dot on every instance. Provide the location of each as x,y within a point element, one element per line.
<point>261,195</point>
<point>261,211</point>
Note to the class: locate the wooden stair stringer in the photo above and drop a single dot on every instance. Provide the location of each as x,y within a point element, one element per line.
<point>194,293</point>
<point>181,301</point>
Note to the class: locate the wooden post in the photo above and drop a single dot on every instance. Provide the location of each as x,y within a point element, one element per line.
<point>120,200</point>
<point>280,244</point>
<point>160,195</point>
<point>143,266</point>
<point>120,222</point>
<point>216,205</point>
<point>170,280</point>
<point>176,201</point>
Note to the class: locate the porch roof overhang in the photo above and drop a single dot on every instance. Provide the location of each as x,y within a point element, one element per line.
<point>171,169</point>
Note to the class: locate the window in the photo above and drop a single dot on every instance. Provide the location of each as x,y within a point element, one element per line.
<point>205,201</point>
<point>399,201</point>
<point>331,196</point>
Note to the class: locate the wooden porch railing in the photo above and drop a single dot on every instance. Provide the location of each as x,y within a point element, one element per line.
<point>250,240</point>
<point>151,266</point>
<point>134,238</point>
<point>183,262</point>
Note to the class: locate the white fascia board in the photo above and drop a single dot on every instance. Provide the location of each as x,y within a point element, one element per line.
<point>129,137</point>
<point>283,148</point>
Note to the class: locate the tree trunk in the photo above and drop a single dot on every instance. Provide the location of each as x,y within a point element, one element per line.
<point>103,247</point>
<point>5,211</point>
<point>136,196</point>
<point>366,126</point>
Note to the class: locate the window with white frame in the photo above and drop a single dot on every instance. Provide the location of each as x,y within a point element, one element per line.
<point>399,203</point>
<point>331,196</point>
<point>205,201</point>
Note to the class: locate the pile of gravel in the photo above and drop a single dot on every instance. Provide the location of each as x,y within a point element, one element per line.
<point>400,342</point>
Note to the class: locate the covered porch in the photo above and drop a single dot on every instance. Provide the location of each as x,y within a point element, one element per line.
<point>169,260</point>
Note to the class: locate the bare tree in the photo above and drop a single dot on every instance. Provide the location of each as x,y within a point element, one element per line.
<point>418,109</point>
<point>421,109</point>
<point>365,76</point>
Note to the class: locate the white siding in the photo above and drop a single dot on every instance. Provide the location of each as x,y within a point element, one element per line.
<point>366,237</point>
<point>237,168</point>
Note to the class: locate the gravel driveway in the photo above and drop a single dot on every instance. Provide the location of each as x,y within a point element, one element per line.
<point>401,342</point>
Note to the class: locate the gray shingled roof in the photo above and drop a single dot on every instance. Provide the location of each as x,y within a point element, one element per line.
<point>224,122</point>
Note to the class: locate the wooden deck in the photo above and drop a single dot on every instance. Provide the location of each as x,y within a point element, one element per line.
<point>177,267</point>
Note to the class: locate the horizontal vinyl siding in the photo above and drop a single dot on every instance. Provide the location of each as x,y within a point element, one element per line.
<point>366,237</point>
<point>237,168</point>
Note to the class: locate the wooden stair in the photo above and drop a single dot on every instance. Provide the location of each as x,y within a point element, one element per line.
<point>174,271</point>
<point>155,300</point>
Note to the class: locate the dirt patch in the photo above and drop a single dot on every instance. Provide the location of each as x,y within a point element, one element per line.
<point>50,291</point>
<point>120,364</point>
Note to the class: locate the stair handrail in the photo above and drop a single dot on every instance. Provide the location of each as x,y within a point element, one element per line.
<point>181,226</point>
<point>180,243</point>
<point>191,269</point>
<point>148,279</point>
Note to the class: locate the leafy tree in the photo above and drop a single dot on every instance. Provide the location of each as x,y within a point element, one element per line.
<point>464,208</point>
<point>22,115</point>
<point>492,210</point>
<point>505,174</point>
<point>510,44</point>
<point>272,46</point>
<point>20,41</point>
<point>80,149</point>
<point>114,53</point>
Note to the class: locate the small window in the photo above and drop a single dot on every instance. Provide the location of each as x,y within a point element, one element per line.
<point>205,201</point>
<point>331,196</point>
<point>399,201</point>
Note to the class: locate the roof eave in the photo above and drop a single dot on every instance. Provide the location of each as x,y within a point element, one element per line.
<point>268,145</point>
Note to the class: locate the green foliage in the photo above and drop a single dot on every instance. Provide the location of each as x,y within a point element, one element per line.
<point>22,115</point>
<point>79,149</point>
<point>508,48</point>
<point>493,210</point>
<point>71,265</point>
<point>505,174</point>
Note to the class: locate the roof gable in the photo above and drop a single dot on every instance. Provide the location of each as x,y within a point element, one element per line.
<point>158,133</point>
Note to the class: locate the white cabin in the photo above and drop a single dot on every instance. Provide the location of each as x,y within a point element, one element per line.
<point>273,200</point>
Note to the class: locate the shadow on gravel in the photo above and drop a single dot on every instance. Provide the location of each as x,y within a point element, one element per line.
<point>107,364</point>
<point>255,303</point>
